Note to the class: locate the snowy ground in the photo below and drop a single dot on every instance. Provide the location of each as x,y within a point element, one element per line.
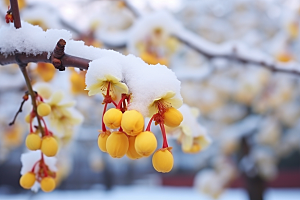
<point>150,193</point>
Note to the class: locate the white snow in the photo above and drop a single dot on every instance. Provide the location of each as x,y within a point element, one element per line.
<point>147,23</point>
<point>148,82</point>
<point>29,39</point>
<point>31,157</point>
<point>145,82</point>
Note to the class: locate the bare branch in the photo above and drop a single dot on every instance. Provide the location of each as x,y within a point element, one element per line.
<point>16,14</point>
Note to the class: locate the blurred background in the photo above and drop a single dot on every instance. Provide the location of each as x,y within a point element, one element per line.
<point>251,113</point>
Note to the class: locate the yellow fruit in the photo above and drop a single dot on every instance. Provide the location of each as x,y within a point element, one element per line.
<point>33,142</point>
<point>112,118</point>
<point>43,109</point>
<point>145,143</point>
<point>162,160</point>
<point>117,144</point>
<point>132,122</point>
<point>27,180</point>
<point>48,184</point>
<point>49,146</point>
<point>131,153</point>
<point>102,137</point>
<point>172,117</point>
<point>27,118</point>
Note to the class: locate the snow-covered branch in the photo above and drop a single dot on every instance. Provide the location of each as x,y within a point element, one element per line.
<point>235,52</point>
<point>230,51</point>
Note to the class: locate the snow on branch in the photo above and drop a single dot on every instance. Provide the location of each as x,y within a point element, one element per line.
<point>231,51</point>
<point>237,52</point>
<point>31,44</point>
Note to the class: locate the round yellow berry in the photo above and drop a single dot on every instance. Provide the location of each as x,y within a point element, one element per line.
<point>27,180</point>
<point>27,118</point>
<point>49,146</point>
<point>131,153</point>
<point>43,109</point>
<point>48,184</point>
<point>33,142</point>
<point>102,138</point>
<point>132,122</point>
<point>112,118</point>
<point>117,144</point>
<point>162,160</point>
<point>172,117</point>
<point>145,143</point>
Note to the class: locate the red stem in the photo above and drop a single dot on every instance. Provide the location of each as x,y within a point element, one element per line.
<point>45,126</point>
<point>128,99</point>
<point>33,168</point>
<point>41,98</point>
<point>31,119</point>
<point>149,123</point>
<point>120,102</point>
<point>103,125</point>
<point>163,131</point>
<point>114,103</point>
<point>44,166</point>
<point>120,129</point>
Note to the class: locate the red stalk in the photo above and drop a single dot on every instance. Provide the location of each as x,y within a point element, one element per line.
<point>163,131</point>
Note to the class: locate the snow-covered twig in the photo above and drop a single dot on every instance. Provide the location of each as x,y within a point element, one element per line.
<point>234,52</point>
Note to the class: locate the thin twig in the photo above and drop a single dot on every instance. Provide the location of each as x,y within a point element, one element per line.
<point>32,94</point>
<point>19,110</point>
<point>15,12</point>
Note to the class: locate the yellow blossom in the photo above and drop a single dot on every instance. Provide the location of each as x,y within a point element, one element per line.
<point>168,100</point>
<point>190,133</point>
<point>63,117</point>
<point>115,90</point>
<point>77,80</point>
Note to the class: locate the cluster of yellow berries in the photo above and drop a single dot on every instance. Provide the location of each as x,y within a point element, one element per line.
<point>44,176</point>
<point>132,140</point>
<point>45,142</point>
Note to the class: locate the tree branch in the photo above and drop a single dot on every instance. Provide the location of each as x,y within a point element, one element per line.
<point>16,14</point>
<point>66,60</point>
<point>190,39</point>
<point>33,96</point>
<point>198,44</point>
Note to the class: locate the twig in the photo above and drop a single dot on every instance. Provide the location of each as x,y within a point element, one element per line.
<point>22,65</point>
<point>32,94</point>
<point>66,60</point>
<point>16,14</point>
<point>233,56</point>
<point>25,98</point>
